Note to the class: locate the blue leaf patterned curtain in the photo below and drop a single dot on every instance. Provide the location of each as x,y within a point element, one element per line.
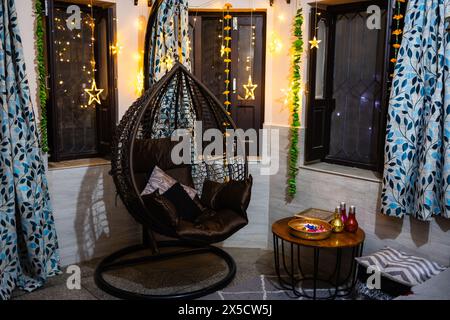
<point>417,155</point>
<point>170,43</point>
<point>170,39</point>
<point>28,245</point>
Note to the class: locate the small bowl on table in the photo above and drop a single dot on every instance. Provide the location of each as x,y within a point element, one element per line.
<point>310,229</point>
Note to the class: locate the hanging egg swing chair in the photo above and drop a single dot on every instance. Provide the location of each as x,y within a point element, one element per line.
<point>142,143</point>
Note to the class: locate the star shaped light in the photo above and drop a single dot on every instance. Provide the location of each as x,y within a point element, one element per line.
<point>94,93</point>
<point>222,50</point>
<point>250,89</point>
<point>315,43</point>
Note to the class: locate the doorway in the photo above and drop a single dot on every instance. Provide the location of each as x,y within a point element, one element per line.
<point>248,35</point>
<point>77,129</point>
<point>346,105</point>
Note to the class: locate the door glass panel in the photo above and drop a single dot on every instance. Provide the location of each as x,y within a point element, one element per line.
<point>213,65</point>
<point>357,89</point>
<point>102,57</point>
<point>322,32</point>
<point>76,123</point>
<point>246,58</point>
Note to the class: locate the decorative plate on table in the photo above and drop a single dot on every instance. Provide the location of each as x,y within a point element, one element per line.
<point>310,229</point>
<point>313,213</point>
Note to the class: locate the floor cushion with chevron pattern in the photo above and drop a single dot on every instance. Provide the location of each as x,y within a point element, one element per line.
<point>401,267</point>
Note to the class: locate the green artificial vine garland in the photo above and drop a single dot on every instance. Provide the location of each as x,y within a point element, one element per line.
<point>42,73</point>
<point>296,88</point>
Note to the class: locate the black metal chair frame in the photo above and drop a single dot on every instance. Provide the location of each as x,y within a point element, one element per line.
<point>116,261</point>
<point>131,125</point>
<point>122,172</point>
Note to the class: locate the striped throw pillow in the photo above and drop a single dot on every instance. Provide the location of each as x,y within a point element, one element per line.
<point>402,267</point>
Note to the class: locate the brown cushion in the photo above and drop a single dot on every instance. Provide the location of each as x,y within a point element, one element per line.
<point>186,208</point>
<point>182,174</point>
<point>234,195</point>
<point>215,227</point>
<point>161,208</point>
<point>148,153</point>
<point>209,193</point>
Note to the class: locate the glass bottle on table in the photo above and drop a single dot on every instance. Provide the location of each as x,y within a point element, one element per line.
<point>351,225</point>
<point>336,223</point>
<point>343,212</point>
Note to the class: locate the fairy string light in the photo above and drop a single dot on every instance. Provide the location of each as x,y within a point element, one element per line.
<point>250,87</point>
<point>94,92</point>
<point>315,42</point>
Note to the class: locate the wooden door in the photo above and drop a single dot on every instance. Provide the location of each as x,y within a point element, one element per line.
<point>248,41</point>
<point>77,130</point>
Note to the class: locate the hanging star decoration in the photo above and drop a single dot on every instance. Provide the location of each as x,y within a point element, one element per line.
<point>94,93</point>
<point>222,50</point>
<point>250,89</point>
<point>315,43</point>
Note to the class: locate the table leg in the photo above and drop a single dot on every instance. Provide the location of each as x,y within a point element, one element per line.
<point>338,271</point>
<point>351,279</point>
<point>302,274</point>
<point>276,251</point>
<point>292,268</point>
<point>275,255</point>
<point>316,271</point>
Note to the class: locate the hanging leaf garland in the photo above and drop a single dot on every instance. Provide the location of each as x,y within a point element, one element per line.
<point>42,74</point>
<point>296,102</point>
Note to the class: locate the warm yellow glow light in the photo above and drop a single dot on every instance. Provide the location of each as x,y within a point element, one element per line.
<point>315,43</point>
<point>250,89</point>
<point>275,45</point>
<point>94,93</point>
<point>116,48</point>
<point>140,82</point>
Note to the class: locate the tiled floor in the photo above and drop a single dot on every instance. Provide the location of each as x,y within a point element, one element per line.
<point>251,264</point>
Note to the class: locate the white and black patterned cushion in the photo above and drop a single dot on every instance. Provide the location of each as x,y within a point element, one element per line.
<point>401,267</point>
<point>159,180</point>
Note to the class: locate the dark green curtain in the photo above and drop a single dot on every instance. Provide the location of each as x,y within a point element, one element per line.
<point>28,244</point>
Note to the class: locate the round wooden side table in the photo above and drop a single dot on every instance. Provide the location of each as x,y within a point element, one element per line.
<point>293,270</point>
